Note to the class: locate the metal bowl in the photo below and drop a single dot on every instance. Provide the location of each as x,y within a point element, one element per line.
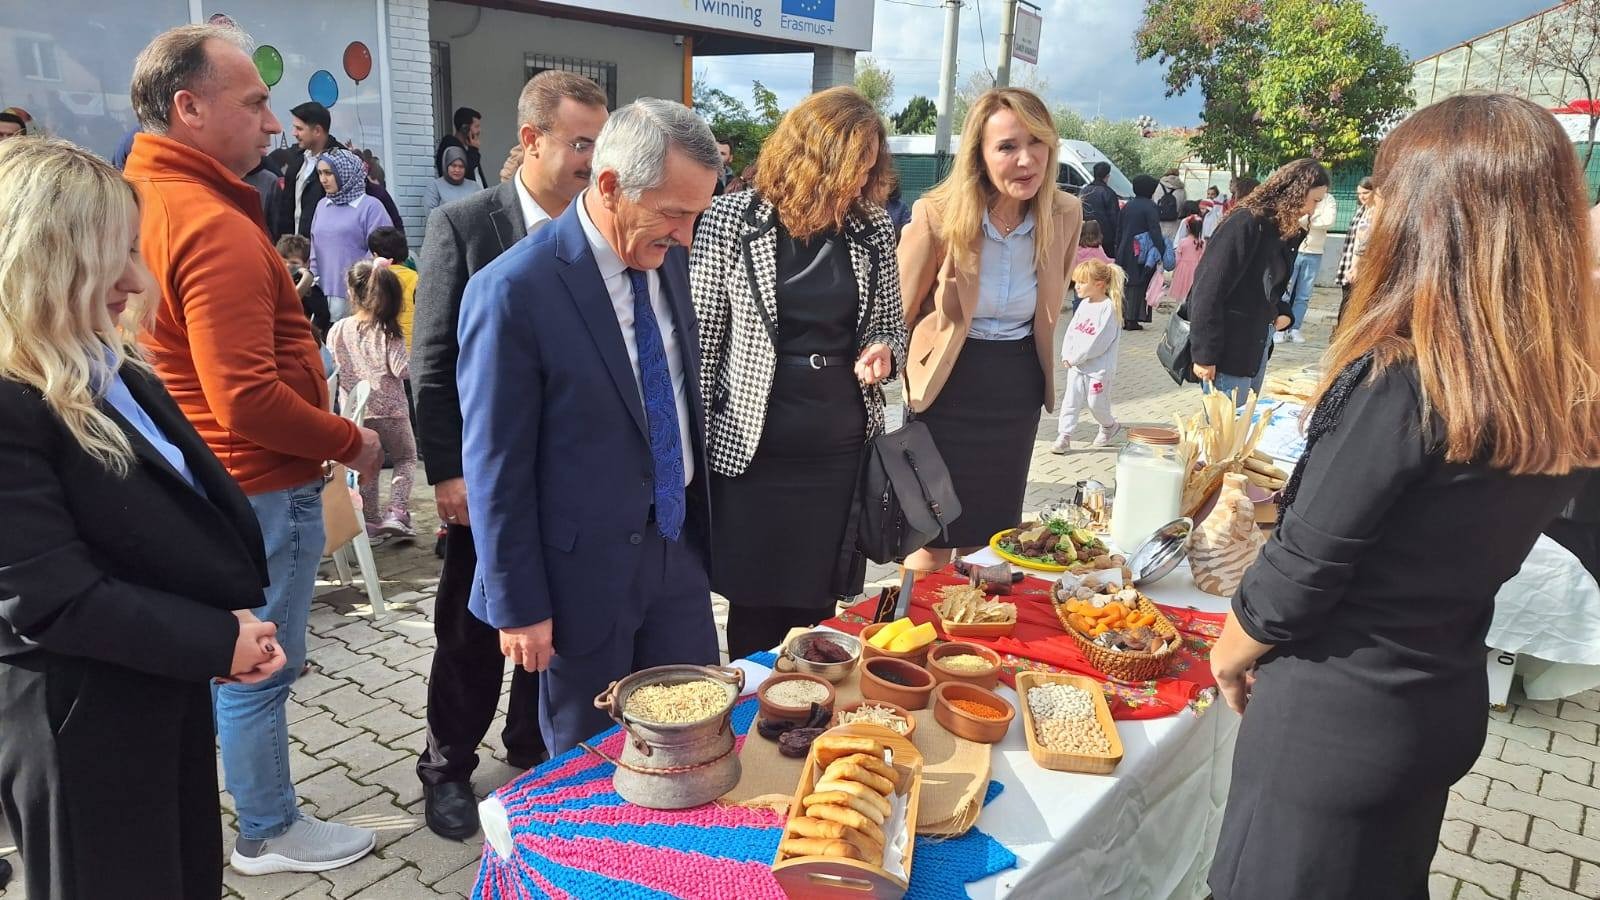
<point>1161,552</point>
<point>833,672</point>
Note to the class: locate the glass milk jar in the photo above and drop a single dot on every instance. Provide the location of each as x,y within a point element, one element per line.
<point>1149,486</point>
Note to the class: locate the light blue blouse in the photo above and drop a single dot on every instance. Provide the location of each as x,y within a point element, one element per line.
<point>121,399</point>
<point>1008,283</point>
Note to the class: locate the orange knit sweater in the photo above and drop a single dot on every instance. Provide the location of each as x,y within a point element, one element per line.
<point>230,338</point>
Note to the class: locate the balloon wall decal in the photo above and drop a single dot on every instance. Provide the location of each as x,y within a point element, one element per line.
<point>323,88</point>
<point>357,61</point>
<point>269,62</point>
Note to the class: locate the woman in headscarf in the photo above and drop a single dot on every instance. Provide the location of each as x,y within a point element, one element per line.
<point>345,218</point>
<point>453,184</point>
<point>1140,230</point>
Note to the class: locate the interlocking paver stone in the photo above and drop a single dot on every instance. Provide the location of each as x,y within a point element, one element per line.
<point>1566,813</point>
<point>1557,868</point>
<point>1513,826</point>
<point>1576,768</point>
<point>1495,879</point>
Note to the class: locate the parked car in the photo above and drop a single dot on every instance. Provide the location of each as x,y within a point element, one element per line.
<point>914,158</point>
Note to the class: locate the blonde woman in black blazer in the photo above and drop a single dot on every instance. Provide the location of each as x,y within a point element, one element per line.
<point>129,559</point>
<point>798,295</point>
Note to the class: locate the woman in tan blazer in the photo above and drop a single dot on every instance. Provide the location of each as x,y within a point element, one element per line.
<point>983,271</point>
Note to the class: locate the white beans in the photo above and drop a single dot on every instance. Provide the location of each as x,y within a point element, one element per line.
<point>1064,719</point>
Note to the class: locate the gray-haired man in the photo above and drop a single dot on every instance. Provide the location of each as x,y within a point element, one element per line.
<point>583,445</point>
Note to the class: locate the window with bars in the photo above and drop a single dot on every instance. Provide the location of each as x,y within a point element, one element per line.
<point>601,73</point>
<point>439,62</point>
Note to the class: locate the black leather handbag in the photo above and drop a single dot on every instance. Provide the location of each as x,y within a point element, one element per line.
<point>1173,351</point>
<point>905,499</point>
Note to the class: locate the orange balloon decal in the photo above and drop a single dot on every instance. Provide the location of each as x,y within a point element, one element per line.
<point>357,61</point>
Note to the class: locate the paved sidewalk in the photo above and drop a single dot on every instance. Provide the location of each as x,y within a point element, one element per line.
<point>1524,824</point>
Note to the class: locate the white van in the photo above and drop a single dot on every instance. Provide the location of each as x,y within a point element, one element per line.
<point>1077,159</point>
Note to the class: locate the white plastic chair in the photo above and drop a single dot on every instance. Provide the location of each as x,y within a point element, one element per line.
<point>355,411</point>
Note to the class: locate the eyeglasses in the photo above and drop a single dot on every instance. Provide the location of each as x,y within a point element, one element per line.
<point>582,148</point>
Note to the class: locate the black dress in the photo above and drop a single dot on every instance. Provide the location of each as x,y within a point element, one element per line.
<point>1377,591</point>
<point>793,499</point>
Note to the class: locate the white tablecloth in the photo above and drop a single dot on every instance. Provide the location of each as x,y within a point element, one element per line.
<point>1549,615</point>
<point>1147,830</point>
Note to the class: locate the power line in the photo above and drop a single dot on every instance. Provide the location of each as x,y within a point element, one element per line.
<point>910,3</point>
<point>983,45</point>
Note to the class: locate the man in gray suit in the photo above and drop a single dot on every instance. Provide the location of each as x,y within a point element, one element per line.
<point>561,114</point>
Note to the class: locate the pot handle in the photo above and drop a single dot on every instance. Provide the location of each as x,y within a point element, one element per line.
<point>731,674</point>
<point>606,702</point>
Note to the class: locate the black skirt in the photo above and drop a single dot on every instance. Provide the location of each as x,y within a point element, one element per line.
<point>776,528</point>
<point>984,422</point>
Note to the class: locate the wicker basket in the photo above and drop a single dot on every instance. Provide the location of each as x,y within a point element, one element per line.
<point>1128,665</point>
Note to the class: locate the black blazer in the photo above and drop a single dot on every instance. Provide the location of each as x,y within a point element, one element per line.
<point>140,571</point>
<point>462,237</point>
<point>1237,293</point>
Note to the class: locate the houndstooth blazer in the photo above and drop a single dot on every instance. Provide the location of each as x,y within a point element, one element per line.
<point>733,277</point>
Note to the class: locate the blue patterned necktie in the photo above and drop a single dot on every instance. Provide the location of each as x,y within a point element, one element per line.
<point>660,410</point>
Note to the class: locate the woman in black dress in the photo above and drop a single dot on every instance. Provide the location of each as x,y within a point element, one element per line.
<point>1139,217</point>
<point>1237,298</point>
<point>983,270</point>
<point>798,298</point>
<point>1457,417</point>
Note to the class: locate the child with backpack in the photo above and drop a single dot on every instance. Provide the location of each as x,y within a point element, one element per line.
<point>1089,351</point>
<point>368,346</point>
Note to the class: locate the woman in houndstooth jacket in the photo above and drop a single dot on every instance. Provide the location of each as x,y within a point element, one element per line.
<point>798,296</point>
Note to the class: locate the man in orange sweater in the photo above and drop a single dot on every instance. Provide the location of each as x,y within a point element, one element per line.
<point>232,344</point>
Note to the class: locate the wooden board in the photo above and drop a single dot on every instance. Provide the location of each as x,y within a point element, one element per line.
<point>1091,764</point>
<point>986,630</point>
<point>833,879</point>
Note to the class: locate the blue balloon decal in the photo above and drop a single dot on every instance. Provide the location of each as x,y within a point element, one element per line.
<point>323,88</point>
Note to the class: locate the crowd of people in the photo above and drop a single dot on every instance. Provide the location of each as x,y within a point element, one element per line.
<point>624,343</point>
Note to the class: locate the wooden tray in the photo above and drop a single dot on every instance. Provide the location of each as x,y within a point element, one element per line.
<point>1092,764</point>
<point>987,630</point>
<point>851,879</point>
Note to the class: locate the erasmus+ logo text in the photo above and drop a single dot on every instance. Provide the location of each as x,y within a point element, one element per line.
<point>808,16</point>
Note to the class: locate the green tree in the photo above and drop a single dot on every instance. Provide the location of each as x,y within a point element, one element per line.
<point>978,82</point>
<point>1281,78</point>
<point>731,118</point>
<point>1070,124</point>
<point>1564,44</point>
<point>875,83</point>
<point>1162,153</point>
<point>920,116</point>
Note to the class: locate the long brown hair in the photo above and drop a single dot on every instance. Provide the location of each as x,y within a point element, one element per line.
<point>1282,197</point>
<point>376,291</point>
<point>963,196</point>
<point>809,167</point>
<point>1477,268</point>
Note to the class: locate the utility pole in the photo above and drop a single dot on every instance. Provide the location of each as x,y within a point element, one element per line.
<point>1008,36</point>
<point>947,77</point>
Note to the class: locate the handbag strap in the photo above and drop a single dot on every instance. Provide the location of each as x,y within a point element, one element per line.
<point>927,496</point>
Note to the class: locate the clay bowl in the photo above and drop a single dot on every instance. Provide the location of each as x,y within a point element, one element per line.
<point>911,722</point>
<point>772,712</point>
<point>964,724</point>
<point>916,657</point>
<point>941,673</point>
<point>912,695</point>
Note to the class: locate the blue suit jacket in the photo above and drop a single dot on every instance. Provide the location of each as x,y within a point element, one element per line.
<point>554,444</point>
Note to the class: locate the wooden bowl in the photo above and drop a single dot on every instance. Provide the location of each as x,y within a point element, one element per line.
<point>915,657</point>
<point>910,696</point>
<point>1089,763</point>
<point>943,673</point>
<point>911,723</point>
<point>965,724</point>
<point>772,712</point>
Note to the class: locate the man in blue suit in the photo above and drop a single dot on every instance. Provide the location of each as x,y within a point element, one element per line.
<point>583,444</point>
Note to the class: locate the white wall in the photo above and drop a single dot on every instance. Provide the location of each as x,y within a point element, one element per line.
<point>487,62</point>
<point>411,111</point>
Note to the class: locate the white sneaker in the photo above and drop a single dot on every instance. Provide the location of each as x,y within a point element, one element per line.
<point>1104,435</point>
<point>1061,446</point>
<point>310,845</point>
<point>1296,336</point>
<point>1277,337</point>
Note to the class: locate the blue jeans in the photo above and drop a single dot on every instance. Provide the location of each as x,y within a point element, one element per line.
<point>251,725</point>
<point>1301,281</point>
<point>1240,386</point>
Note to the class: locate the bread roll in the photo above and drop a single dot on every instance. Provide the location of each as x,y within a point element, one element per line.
<point>873,807</point>
<point>823,829</point>
<point>849,771</point>
<point>830,747</point>
<point>844,815</point>
<point>873,764</point>
<point>797,846</point>
<point>853,788</point>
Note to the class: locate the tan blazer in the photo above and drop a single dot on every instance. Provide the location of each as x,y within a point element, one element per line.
<point>940,298</point>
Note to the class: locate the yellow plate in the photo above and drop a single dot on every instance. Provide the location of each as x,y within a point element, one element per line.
<point>994,544</point>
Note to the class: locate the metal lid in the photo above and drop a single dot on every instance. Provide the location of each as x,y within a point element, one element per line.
<point>1165,437</point>
<point>1161,552</point>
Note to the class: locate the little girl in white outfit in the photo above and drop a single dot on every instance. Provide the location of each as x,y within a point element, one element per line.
<point>1089,351</point>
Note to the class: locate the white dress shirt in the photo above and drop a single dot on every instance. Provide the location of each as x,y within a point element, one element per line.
<point>614,272</point>
<point>533,215</point>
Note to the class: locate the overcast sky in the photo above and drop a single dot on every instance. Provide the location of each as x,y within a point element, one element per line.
<point>1086,54</point>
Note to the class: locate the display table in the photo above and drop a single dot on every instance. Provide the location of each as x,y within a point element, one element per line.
<point>1546,627</point>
